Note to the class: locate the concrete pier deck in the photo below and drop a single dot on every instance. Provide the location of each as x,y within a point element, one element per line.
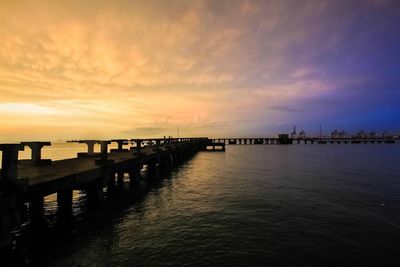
<point>29,181</point>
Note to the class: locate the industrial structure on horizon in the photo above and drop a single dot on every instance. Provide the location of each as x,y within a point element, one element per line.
<point>336,134</point>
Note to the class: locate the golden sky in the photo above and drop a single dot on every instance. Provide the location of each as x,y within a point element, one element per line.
<point>107,69</point>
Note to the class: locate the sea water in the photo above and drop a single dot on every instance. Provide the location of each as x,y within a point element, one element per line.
<point>253,205</point>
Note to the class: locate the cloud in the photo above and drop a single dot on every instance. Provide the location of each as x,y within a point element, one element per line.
<point>123,63</point>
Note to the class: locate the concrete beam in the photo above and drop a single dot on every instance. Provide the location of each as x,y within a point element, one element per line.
<point>9,162</point>
<point>138,148</point>
<point>90,145</point>
<point>36,155</point>
<point>103,153</point>
<point>120,143</point>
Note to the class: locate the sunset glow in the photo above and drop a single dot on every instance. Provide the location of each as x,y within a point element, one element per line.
<point>108,69</point>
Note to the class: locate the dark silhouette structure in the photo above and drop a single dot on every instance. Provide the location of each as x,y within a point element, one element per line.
<point>31,180</point>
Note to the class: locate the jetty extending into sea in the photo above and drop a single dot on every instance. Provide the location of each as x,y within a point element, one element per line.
<point>29,181</point>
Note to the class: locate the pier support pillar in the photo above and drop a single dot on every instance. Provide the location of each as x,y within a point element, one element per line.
<point>9,218</point>
<point>164,163</point>
<point>120,143</point>
<point>36,155</point>
<point>120,179</point>
<point>90,144</point>
<point>9,163</point>
<point>9,188</point>
<point>95,193</point>
<point>152,165</point>
<point>103,154</point>
<point>111,186</point>
<point>36,208</point>
<point>64,201</point>
<point>138,148</point>
<point>133,178</point>
<point>175,159</point>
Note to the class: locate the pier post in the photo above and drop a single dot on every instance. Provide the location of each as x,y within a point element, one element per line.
<point>137,168</point>
<point>152,165</point>
<point>133,178</point>
<point>36,155</point>
<point>64,202</point>
<point>138,149</point>
<point>95,193</point>
<point>36,208</point>
<point>9,163</point>
<point>164,163</point>
<point>120,179</point>
<point>158,145</point>
<point>103,153</point>
<point>174,159</point>
<point>9,188</point>
<point>90,145</point>
<point>9,218</point>
<point>120,143</point>
<point>110,182</point>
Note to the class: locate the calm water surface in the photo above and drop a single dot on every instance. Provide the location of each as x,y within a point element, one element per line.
<point>254,205</point>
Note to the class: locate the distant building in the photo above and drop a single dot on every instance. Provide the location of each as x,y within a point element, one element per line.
<point>372,134</point>
<point>284,139</point>
<point>302,134</point>
<point>294,134</point>
<point>386,135</point>
<point>335,134</point>
<point>361,134</point>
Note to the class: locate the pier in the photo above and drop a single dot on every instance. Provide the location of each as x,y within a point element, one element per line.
<point>312,140</point>
<point>29,181</point>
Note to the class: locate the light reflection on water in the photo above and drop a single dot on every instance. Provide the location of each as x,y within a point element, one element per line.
<point>307,205</point>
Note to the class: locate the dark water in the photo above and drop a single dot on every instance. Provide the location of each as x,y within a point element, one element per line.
<point>295,205</point>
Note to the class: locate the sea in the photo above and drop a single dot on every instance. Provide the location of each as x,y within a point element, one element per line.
<point>252,205</point>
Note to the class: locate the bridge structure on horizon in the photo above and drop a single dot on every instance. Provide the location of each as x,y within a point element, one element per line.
<point>283,139</point>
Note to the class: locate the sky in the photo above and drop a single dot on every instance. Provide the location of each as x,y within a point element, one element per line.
<point>124,69</point>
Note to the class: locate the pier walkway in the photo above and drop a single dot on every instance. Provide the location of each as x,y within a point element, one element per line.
<point>29,181</point>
